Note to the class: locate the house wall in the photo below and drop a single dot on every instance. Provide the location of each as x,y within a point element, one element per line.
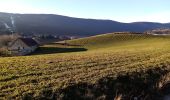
<point>18,45</point>
<point>20,48</point>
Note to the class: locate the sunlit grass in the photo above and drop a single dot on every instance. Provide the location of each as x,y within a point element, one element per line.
<point>106,55</point>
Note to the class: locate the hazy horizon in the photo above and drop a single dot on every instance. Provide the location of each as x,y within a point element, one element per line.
<point>121,11</point>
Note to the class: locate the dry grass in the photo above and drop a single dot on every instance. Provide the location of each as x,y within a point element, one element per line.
<point>106,56</point>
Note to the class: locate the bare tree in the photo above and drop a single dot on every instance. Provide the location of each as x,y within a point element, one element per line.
<point>4,43</point>
<point>6,39</point>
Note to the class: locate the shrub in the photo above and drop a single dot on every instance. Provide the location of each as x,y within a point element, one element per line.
<point>6,39</point>
<point>4,52</point>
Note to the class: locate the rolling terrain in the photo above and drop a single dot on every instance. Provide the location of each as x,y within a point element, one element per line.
<point>100,67</point>
<point>49,24</point>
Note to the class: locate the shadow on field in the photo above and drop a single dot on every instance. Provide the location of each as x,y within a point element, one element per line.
<point>51,50</point>
<point>135,86</point>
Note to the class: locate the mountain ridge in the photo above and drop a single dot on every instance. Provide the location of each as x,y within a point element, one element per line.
<point>53,24</point>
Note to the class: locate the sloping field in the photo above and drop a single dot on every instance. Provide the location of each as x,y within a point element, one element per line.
<point>104,67</point>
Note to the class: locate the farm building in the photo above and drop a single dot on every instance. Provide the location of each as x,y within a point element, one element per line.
<point>23,46</point>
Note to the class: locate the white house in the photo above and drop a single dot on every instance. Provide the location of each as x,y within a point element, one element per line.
<point>23,46</point>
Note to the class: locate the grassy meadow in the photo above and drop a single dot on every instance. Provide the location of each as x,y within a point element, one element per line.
<point>102,67</point>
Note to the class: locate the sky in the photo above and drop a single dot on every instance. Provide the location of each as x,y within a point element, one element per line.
<point>117,10</point>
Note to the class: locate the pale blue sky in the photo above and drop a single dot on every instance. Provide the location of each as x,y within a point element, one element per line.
<point>118,10</point>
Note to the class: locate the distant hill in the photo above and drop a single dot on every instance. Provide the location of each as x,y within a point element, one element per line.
<point>36,24</point>
<point>163,31</point>
<point>110,39</point>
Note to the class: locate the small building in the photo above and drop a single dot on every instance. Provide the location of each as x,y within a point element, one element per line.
<point>23,46</point>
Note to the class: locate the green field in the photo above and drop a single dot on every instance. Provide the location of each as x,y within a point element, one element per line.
<point>100,67</point>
